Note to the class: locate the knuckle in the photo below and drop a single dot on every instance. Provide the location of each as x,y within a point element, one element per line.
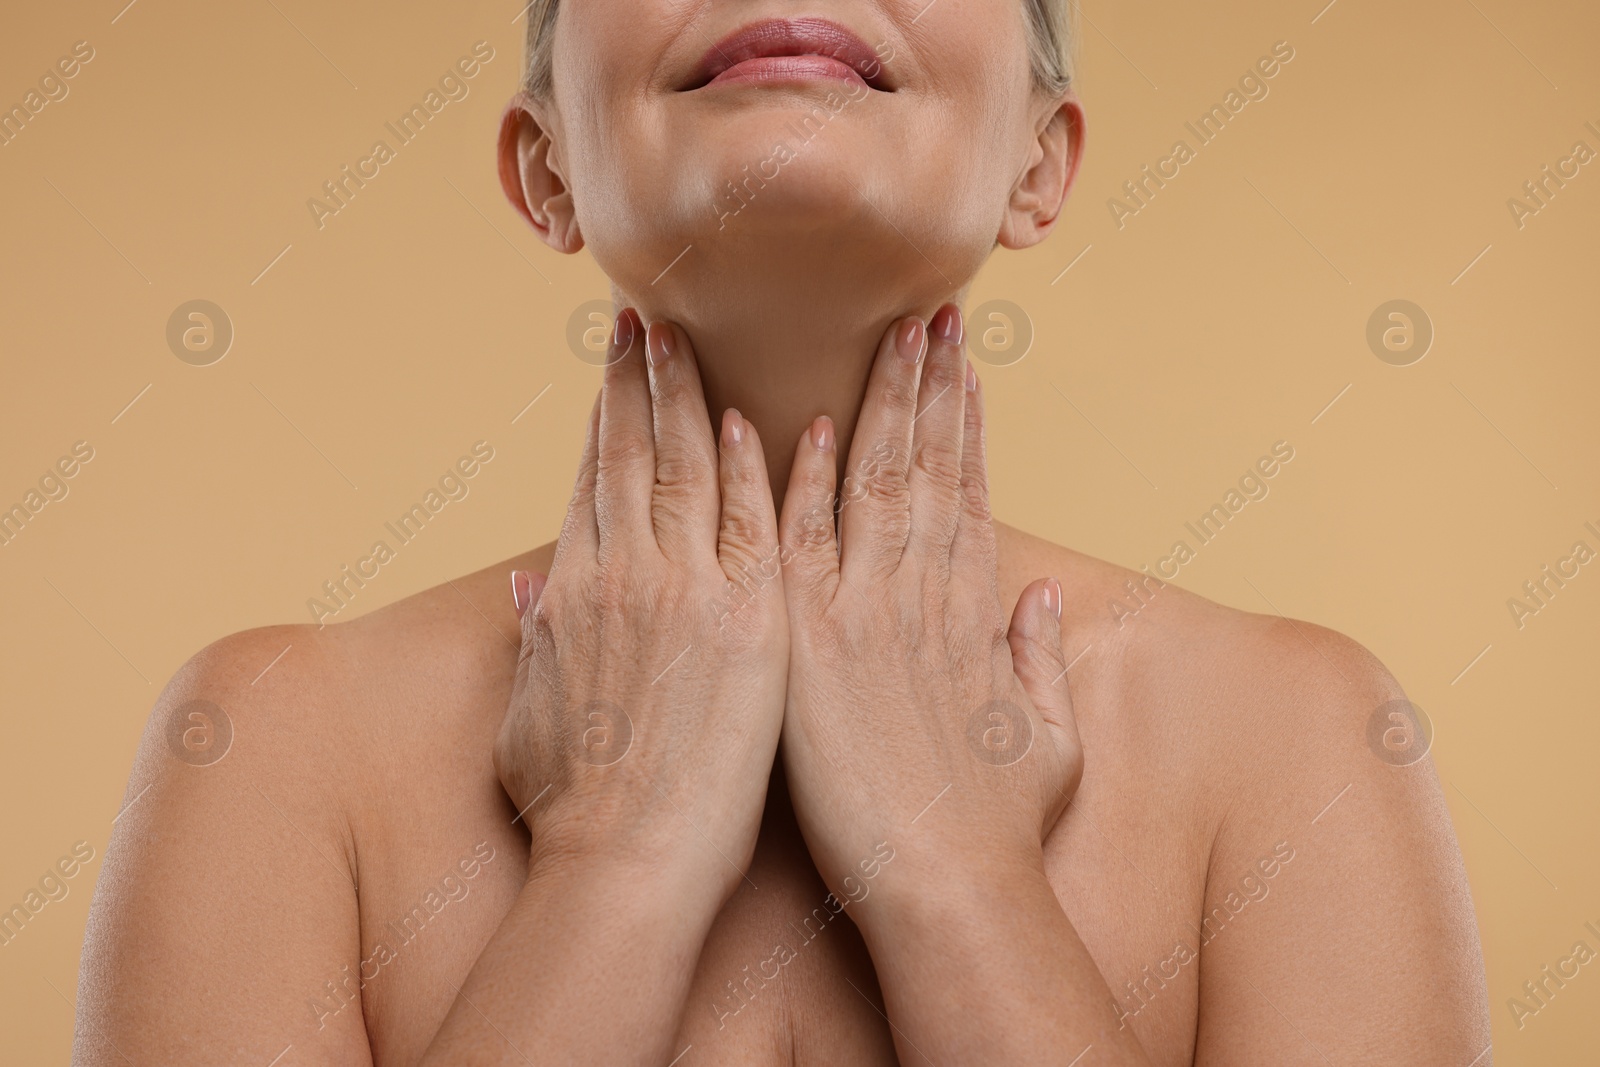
<point>743,532</point>
<point>886,484</point>
<point>937,462</point>
<point>627,446</point>
<point>682,471</point>
<point>975,499</point>
<point>810,531</point>
<point>901,391</point>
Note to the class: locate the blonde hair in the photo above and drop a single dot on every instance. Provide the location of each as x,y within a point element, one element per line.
<point>1051,39</point>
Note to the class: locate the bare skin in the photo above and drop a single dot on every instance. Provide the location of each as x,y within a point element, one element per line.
<point>1200,860</point>
<point>363,759</point>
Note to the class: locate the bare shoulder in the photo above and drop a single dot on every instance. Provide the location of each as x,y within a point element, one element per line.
<point>1301,776</point>
<point>1257,685</point>
<point>293,689</point>
<point>306,771</point>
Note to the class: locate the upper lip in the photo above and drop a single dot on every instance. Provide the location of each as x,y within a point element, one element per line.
<point>792,37</point>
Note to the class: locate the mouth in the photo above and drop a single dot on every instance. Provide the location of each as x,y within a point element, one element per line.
<point>787,51</point>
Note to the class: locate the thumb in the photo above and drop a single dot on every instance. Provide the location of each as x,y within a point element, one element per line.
<point>1040,665</point>
<point>525,589</point>
<point>1036,657</point>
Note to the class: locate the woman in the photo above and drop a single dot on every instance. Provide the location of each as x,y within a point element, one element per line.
<point>800,757</point>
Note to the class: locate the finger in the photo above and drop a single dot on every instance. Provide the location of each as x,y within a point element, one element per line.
<point>935,472</point>
<point>580,537</point>
<point>809,547</point>
<point>973,562</point>
<point>525,589</point>
<point>874,503</point>
<point>747,536</point>
<point>1038,662</point>
<point>626,470</point>
<point>683,507</point>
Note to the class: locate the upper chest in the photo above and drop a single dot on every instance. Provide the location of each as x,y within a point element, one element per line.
<point>784,977</point>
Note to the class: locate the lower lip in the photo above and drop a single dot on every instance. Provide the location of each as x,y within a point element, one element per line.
<point>786,69</point>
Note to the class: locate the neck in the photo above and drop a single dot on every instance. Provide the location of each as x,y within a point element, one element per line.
<point>783,361</point>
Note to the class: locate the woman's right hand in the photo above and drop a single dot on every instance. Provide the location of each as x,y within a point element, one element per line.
<point>649,692</point>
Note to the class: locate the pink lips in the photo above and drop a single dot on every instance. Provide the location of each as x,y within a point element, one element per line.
<point>790,50</point>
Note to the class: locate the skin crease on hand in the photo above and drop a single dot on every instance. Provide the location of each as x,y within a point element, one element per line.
<point>355,879</point>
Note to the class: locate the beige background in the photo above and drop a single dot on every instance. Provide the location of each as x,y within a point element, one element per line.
<point>1227,315</point>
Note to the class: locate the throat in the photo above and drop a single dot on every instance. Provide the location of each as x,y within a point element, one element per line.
<point>784,360</point>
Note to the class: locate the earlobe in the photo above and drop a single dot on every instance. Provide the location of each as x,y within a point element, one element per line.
<point>531,178</point>
<point>1037,198</point>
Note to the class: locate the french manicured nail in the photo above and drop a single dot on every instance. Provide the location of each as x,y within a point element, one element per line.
<point>910,339</point>
<point>622,335</point>
<point>946,324</point>
<point>521,591</point>
<point>822,434</point>
<point>972,378</point>
<point>660,342</point>
<point>1052,597</point>
<point>732,427</point>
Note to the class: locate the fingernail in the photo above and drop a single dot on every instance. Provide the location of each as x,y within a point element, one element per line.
<point>1052,597</point>
<point>972,378</point>
<point>947,324</point>
<point>909,340</point>
<point>660,341</point>
<point>521,591</point>
<point>732,427</point>
<point>622,335</point>
<point>822,434</point>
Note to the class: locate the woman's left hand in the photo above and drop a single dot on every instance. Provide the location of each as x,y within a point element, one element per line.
<point>916,718</point>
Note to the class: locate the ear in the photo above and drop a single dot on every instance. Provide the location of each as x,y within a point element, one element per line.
<point>530,175</point>
<point>1038,196</point>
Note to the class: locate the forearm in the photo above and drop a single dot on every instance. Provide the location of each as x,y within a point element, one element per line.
<point>983,967</point>
<point>591,965</point>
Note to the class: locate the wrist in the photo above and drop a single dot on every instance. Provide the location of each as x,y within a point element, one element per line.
<point>631,881</point>
<point>660,863</point>
<point>931,885</point>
